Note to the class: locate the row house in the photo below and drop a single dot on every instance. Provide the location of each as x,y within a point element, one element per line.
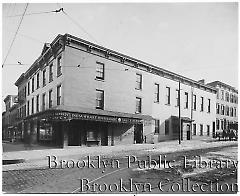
<point>79,93</point>
<point>10,129</point>
<point>226,106</point>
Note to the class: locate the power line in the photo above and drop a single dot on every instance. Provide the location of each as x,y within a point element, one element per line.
<point>46,12</point>
<point>75,22</point>
<point>15,35</point>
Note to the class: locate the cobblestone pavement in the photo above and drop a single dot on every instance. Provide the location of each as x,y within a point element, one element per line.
<point>43,180</point>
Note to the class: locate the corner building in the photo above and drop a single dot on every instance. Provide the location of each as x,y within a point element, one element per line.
<point>80,93</point>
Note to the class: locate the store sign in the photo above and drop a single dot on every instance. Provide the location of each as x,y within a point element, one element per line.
<point>70,116</point>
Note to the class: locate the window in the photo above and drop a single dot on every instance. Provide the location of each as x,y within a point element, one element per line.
<point>177,97</point>
<point>168,95</point>
<point>217,124</point>
<point>227,96</point>
<point>51,73</point>
<point>194,102</point>
<point>194,129</point>
<point>38,81</point>
<point>235,112</point>
<point>186,100</point>
<point>157,126</point>
<point>25,92</point>
<point>138,105</point>
<point>222,109</point>
<point>222,124</point>
<point>202,104</point>
<point>100,71</point>
<point>227,110</point>
<point>138,81</point>
<point>166,127</point>
<point>37,103</point>
<point>156,93</point>
<point>28,108</point>
<point>231,111</point>
<point>222,94</point>
<point>201,129</point>
<point>59,95</point>
<point>32,105</point>
<point>50,99</point>
<point>32,85</point>
<point>218,108</point>
<point>43,102</point>
<point>217,94</point>
<point>99,99</point>
<point>231,98</point>
<point>209,106</point>
<point>28,90</point>
<point>44,77</point>
<point>208,130</point>
<point>59,66</point>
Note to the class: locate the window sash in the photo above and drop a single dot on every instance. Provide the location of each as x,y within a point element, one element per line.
<point>168,95</point>
<point>186,100</point>
<point>59,95</point>
<point>138,105</point>
<point>59,65</point>
<point>177,97</point>
<point>50,99</point>
<point>100,71</point>
<point>156,93</point>
<point>99,99</point>
<point>157,126</point>
<point>37,103</point>
<point>138,81</point>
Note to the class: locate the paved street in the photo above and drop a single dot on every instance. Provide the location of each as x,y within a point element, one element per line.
<point>122,170</point>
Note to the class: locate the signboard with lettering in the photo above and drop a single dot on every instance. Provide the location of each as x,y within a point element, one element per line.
<point>69,116</point>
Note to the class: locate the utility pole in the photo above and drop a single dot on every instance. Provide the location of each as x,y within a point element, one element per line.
<point>179,112</point>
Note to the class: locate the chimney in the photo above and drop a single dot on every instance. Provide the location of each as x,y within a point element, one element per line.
<point>202,81</point>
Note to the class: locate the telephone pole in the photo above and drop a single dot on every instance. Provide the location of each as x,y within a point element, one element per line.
<point>179,112</point>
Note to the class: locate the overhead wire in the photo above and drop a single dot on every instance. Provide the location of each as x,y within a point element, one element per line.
<point>15,34</point>
<point>79,26</point>
<point>34,13</point>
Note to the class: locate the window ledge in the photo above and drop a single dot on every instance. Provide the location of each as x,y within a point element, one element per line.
<point>156,102</point>
<point>167,104</point>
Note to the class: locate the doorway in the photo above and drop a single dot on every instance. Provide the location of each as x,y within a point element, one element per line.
<point>138,134</point>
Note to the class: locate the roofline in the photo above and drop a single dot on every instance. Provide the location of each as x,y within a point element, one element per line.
<point>39,58</point>
<point>223,84</point>
<point>59,36</point>
<point>141,62</point>
<point>7,97</point>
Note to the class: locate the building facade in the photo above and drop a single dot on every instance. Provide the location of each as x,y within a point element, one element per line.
<point>10,129</point>
<point>80,93</point>
<point>226,106</point>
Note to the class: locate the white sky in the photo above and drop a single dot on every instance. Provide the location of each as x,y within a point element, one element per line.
<point>197,40</point>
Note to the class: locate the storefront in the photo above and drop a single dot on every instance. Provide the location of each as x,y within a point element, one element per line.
<point>67,128</point>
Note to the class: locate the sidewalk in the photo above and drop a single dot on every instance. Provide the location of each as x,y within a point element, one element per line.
<point>38,158</point>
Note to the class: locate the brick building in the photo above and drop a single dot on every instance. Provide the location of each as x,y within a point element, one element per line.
<point>226,106</point>
<point>10,129</point>
<point>80,93</point>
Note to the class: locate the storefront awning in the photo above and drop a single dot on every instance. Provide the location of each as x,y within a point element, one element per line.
<point>77,113</point>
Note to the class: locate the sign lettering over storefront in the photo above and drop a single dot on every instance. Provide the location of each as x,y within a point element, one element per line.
<point>79,116</point>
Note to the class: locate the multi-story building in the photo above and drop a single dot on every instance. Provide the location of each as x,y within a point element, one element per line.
<point>10,118</point>
<point>80,93</point>
<point>226,106</point>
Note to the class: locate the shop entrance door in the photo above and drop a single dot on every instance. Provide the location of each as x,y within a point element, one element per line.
<point>138,134</point>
